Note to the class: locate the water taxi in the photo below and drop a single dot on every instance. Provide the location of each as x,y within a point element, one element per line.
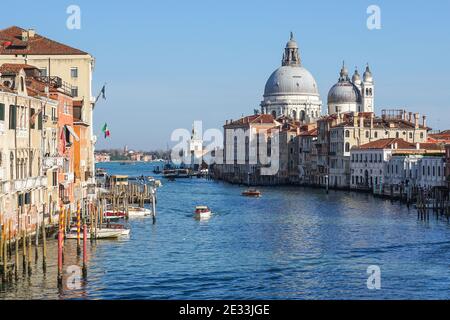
<point>202,212</point>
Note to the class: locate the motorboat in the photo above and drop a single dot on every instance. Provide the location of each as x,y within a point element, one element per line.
<point>111,215</point>
<point>252,193</point>
<point>101,233</point>
<point>136,212</point>
<point>202,212</point>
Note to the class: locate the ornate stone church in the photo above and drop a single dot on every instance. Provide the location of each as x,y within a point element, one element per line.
<point>292,91</point>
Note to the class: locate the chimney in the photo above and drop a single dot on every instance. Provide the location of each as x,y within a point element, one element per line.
<point>417,146</point>
<point>416,120</point>
<point>371,120</point>
<point>424,121</point>
<point>355,119</point>
<point>31,33</point>
<point>24,35</point>
<point>361,121</point>
<point>410,118</point>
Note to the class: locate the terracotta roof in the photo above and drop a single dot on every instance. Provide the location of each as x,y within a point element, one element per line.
<point>15,67</point>
<point>443,136</point>
<point>387,144</point>
<point>254,119</point>
<point>36,45</point>
<point>312,132</point>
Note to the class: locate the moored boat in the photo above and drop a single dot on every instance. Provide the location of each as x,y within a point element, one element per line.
<point>114,215</point>
<point>101,233</point>
<point>136,212</point>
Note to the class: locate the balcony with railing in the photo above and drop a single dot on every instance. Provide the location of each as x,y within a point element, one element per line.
<point>27,184</point>
<point>57,82</point>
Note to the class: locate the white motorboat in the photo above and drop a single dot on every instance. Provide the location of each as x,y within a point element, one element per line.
<point>202,212</point>
<point>101,233</point>
<point>136,212</point>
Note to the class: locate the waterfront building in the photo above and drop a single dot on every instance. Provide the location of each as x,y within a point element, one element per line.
<point>355,129</point>
<point>102,157</point>
<point>368,162</point>
<point>291,90</point>
<point>390,166</point>
<point>82,186</point>
<point>24,146</point>
<point>307,159</point>
<point>55,59</point>
<point>241,160</point>
<point>353,95</point>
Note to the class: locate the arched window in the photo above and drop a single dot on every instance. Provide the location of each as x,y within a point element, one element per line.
<point>22,84</point>
<point>294,114</point>
<point>347,133</point>
<point>347,147</point>
<point>302,115</point>
<point>274,114</point>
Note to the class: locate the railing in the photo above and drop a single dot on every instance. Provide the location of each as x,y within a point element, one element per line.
<point>50,162</point>
<point>29,183</point>
<point>57,82</point>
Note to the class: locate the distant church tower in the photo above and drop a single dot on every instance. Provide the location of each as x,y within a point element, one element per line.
<point>368,91</point>
<point>196,148</point>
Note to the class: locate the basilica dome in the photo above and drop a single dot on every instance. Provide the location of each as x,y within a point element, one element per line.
<point>291,80</point>
<point>344,91</point>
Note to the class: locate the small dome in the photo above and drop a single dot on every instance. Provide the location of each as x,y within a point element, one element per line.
<point>292,44</point>
<point>368,75</point>
<point>344,92</point>
<point>291,80</point>
<point>356,78</point>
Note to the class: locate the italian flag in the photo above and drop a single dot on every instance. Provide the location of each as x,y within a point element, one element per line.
<point>105,131</point>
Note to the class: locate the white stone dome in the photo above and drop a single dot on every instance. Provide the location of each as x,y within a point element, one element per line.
<point>344,92</point>
<point>291,80</point>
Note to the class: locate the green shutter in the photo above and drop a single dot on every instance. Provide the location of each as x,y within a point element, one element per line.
<point>32,112</point>
<point>40,121</point>
<point>12,117</point>
<point>2,112</point>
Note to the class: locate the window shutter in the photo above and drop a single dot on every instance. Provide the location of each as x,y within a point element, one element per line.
<point>12,117</point>
<point>32,112</point>
<point>40,121</point>
<point>2,112</point>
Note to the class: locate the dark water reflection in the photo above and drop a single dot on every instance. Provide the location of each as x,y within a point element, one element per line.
<point>293,243</point>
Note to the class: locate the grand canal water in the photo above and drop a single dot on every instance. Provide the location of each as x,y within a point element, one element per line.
<point>293,243</point>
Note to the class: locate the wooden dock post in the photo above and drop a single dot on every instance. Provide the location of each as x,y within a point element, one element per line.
<point>84,249</point>
<point>78,229</point>
<point>153,192</point>
<point>24,250</point>
<point>60,257</point>
<point>44,246</point>
<point>29,264</point>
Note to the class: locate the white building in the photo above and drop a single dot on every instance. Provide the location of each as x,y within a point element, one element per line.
<point>291,89</point>
<point>432,172</point>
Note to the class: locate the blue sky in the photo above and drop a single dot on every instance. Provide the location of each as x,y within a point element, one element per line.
<point>168,63</point>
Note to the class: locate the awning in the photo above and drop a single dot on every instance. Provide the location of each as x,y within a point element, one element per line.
<point>72,132</point>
